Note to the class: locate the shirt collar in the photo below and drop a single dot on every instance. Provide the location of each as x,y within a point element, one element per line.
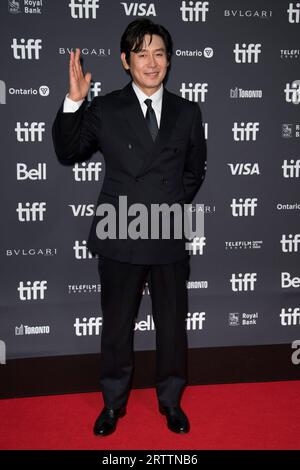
<point>156,97</point>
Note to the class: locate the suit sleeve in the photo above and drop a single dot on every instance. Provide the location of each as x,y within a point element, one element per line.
<point>195,163</point>
<point>76,135</point>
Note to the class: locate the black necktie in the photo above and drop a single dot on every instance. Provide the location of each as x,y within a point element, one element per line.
<point>151,119</point>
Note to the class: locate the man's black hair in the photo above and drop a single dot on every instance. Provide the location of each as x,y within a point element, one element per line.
<point>133,36</point>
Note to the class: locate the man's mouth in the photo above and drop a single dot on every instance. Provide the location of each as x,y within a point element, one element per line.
<point>151,74</point>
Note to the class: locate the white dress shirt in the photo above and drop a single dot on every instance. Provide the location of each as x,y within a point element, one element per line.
<point>71,106</point>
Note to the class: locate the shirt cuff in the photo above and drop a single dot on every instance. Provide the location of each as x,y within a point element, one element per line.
<point>71,106</point>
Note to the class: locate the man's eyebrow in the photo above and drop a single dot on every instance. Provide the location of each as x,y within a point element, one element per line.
<point>155,50</point>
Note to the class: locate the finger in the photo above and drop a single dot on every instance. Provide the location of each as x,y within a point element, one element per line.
<point>77,64</point>
<point>72,70</point>
<point>88,77</point>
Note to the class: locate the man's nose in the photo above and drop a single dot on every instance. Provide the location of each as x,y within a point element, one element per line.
<point>151,60</point>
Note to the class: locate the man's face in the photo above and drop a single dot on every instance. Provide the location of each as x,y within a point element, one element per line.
<point>148,67</point>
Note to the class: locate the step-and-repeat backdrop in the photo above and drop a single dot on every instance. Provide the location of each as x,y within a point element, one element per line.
<point>239,59</point>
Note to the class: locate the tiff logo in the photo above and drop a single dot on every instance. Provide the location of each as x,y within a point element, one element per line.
<point>292,92</point>
<point>2,352</point>
<point>139,9</point>
<point>26,51</point>
<point>294,13</point>
<point>94,90</point>
<point>81,251</point>
<point>32,212</point>
<point>196,245</point>
<point>291,169</point>
<point>2,92</point>
<point>244,207</point>
<point>195,320</point>
<point>290,243</point>
<point>243,282</point>
<point>196,11</point>
<point>290,316</point>
<point>33,290</point>
<point>246,54</point>
<point>192,92</point>
<point>30,132</point>
<point>88,327</point>
<point>84,8</point>
<point>87,172</point>
<point>245,131</point>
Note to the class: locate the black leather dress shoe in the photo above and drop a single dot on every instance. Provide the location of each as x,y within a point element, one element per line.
<point>106,422</point>
<point>177,421</point>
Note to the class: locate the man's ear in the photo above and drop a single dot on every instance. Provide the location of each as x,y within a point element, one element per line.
<point>124,61</point>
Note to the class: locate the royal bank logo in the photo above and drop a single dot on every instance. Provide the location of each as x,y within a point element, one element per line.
<point>139,9</point>
<point>84,9</point>
<point>233,319</point>
<point>291,131</point>
<point>242,319</point>
<point>30,7</point>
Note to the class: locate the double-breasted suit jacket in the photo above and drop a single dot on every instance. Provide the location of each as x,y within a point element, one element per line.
<point>168,170</point>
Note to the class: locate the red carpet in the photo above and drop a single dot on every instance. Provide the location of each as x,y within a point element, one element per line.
<point>238,416</point>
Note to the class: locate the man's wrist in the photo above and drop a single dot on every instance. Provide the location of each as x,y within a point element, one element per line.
<point>71,106</point>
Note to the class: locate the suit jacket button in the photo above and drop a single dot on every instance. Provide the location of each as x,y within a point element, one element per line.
<point>136,180</point>
<point>164,180</point>
<point>130,146</point>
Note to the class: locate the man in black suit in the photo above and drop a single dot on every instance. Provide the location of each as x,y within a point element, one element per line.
<point>154,149</point>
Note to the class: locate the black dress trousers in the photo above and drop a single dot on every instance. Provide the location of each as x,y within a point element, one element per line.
<point>121,292</point>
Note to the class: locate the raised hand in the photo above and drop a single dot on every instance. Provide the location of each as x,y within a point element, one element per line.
<point>79,83</point>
